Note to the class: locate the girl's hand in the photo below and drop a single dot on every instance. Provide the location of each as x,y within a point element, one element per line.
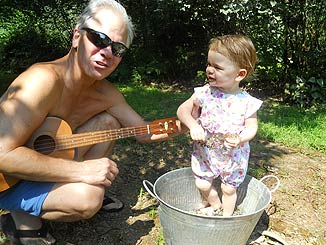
<point>197,133</point>
<point>232,141</point>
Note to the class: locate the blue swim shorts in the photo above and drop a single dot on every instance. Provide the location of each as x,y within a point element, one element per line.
<point>26,196</point>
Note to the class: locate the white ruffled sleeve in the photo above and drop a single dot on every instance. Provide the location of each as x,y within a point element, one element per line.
<point>200,94</point>
<point>253,106</point>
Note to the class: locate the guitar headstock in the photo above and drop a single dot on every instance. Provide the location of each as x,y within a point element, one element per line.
<point>164,126</point>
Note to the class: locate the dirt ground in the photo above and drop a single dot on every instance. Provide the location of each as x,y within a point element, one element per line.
<point>296,214</point>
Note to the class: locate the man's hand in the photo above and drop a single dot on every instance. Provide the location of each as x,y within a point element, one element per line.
<point>101,171</point>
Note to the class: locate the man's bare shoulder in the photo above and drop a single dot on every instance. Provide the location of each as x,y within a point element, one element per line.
<point>42,76</point>
<point>49,71</point>
<point>37,87</point>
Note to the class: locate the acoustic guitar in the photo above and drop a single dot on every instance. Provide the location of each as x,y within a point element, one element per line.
<point>55,138</point>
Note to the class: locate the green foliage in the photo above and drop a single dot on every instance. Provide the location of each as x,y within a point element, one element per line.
<point>34,31</point>
<point>172,37</point>
<point>287,37</point>
<point>308,93</point>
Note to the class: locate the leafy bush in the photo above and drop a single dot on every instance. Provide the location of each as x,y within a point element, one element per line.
<point>307,93</point>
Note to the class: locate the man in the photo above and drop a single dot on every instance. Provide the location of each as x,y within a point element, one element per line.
<point>74,89</point>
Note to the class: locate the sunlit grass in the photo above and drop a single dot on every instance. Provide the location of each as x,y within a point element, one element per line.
<point>292,127</point>
<point>160,239</point>
<point>151,102</point>
<point>278,122</point>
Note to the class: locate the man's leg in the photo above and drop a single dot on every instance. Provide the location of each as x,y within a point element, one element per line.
<point>74,201</point>
<point>102,121</point>
<point>65,202</point>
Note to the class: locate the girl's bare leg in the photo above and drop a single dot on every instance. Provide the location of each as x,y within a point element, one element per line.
<point>209,193</point>
<point>229,199</point>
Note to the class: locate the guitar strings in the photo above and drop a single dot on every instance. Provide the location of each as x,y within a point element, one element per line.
<point>70,141</point>
<point>74,140</point>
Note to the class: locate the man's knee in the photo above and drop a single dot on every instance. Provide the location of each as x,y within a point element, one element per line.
<point>109,122</point>
<point>101,121</point>
<point>88,202</point>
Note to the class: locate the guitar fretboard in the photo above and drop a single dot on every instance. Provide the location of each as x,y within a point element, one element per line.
<point>84,139</point>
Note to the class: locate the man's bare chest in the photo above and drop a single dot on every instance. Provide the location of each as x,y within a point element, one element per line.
<point>76,110</point>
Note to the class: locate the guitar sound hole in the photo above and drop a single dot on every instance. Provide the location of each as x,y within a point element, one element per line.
<point>44,144</point>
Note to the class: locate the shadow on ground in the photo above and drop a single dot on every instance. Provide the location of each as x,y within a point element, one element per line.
<point>138,162</point>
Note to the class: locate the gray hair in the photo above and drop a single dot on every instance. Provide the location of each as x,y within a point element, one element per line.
<point>95,5</point>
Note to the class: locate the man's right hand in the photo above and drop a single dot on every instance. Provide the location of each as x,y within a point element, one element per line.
<point>101,171</point>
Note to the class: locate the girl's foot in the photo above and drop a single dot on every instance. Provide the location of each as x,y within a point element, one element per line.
<point>203,204</point>
<point>210,211</point>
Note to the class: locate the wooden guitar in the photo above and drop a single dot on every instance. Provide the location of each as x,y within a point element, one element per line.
<point>54,138</point>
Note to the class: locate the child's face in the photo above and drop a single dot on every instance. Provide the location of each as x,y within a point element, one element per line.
<point>222,72</point>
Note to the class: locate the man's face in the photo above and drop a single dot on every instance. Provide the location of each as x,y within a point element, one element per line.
<point>95,61</point>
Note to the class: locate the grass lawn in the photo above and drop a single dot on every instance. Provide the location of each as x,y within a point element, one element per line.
<point>278,122</point>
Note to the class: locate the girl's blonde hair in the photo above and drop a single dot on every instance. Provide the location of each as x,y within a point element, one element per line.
<point>238,48</point>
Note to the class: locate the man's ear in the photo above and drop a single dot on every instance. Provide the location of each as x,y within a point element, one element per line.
<point>241,75</point>
<point>75,37</point>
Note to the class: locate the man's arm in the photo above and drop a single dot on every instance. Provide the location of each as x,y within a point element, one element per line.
<point>128,117</point>
<point>22,109</point>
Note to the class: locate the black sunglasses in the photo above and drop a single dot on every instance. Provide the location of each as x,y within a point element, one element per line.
<point>101,40</point>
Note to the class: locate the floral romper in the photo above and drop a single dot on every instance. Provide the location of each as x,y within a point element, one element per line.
<point>222,114</point>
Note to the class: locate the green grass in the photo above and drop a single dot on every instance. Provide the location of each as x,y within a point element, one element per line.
<point>278,122</point>
<point>152,102</point>
<point>293,127</point>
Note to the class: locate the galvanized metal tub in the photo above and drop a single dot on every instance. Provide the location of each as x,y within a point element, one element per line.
<point>178,197</point>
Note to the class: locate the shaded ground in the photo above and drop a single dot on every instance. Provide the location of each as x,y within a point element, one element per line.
<point>296,214</point>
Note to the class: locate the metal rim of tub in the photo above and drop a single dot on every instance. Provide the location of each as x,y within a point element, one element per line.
<point>154,195</point>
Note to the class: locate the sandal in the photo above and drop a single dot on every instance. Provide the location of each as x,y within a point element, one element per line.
<point>25,237</point>
<point>111,204</point>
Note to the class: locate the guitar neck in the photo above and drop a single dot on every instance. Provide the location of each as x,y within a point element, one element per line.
<point>84,139</point>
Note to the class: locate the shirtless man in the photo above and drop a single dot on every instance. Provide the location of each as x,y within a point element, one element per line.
<point>74,89</point>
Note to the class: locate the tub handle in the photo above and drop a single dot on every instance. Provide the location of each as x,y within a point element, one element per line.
<point>145,183</point>
<point>278,182</point>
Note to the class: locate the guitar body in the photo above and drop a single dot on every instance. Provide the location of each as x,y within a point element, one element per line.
<point>54,138</point>
<point>6,182</point>
<point>48,132</point>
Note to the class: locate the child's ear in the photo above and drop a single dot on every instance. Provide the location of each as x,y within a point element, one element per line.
<point>75,37</point>
<point>241,75</point>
